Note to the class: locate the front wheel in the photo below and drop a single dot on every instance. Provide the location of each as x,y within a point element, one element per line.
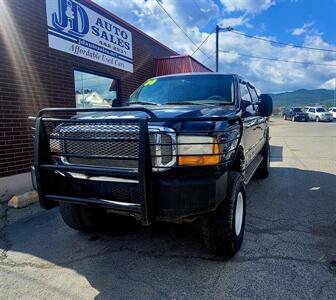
<point>284,117</point>
<point>79,217</point>
<point>90,219</point>
<point>293,119</point>
<point>223,229</point>
<point>317,119</point>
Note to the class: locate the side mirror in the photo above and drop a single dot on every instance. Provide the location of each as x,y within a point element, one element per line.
<point>265,105</point>
<point>116,103</point>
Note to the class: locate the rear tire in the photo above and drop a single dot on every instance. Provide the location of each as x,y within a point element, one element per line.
<point>317,119</point>
<point>293,119</point>
<point>264,168</point>
<point>223,229</point>
<point>284,117</point>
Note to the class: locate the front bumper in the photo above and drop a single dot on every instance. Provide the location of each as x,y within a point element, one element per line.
<point>174,198</point>
<point>326,118</point>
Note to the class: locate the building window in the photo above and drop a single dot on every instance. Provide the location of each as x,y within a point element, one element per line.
<point>94,90</point>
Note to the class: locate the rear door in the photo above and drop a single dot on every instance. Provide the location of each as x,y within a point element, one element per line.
<point>311,113</point>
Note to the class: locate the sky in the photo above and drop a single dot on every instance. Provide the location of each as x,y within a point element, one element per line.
<point>310,23</point>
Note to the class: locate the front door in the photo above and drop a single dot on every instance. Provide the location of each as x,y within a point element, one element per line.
<point>250,123</point>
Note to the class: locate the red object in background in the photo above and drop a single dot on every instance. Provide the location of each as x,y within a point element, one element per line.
<point>178,64</point>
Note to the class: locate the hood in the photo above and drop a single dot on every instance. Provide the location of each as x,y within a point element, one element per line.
<point>165,111</point>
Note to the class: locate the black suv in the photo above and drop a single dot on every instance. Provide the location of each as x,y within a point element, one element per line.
<point>183,147</point>
<point>295,114</point>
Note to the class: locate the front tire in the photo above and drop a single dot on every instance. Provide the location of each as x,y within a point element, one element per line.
<point>223,229</point>
<point>79,217</point>
<point>317,119</point>
<point>293,119</point>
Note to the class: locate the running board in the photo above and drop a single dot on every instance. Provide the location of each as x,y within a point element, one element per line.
<point>252,167</point>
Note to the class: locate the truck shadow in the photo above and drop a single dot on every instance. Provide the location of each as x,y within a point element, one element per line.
<point>276,153</point>
<point>166,261</point>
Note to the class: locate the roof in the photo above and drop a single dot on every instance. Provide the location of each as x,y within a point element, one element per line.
<point>195,74</point>
<point>128,25</point>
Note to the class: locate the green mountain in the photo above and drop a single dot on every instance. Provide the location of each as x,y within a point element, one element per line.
<point>304,97</point>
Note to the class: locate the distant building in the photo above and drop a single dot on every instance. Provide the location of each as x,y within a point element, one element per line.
<point>91,99</point>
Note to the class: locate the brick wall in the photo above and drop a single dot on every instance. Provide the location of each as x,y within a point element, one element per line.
<point>33,76</point>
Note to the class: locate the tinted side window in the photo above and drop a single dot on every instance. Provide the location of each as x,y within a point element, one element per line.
<point>244,92</point>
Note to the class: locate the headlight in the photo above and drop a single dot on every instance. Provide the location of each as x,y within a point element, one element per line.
<point>197,150</point>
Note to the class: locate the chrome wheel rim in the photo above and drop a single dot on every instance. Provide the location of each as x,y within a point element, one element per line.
<point>239,213</point>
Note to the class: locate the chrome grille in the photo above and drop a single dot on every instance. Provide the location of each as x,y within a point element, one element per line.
<point>114,145</point>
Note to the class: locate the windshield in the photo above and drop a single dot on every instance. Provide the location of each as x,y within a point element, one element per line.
<point>320,109</point>
<point>189,89</point>
<point>296,109</point>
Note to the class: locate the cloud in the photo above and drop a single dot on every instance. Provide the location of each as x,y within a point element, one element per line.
<point>249,6</point>
<point>235,22</point>
<point>269,76</point>
<point>302,30</point>
<point>329,84</point>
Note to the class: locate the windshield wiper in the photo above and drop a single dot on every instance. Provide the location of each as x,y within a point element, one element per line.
<point>182,103</point>
<point>143,102</point>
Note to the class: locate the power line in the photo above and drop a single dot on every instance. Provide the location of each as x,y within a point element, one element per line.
<point>205,60</point>
<point>201,44</point>
<point>189,38</point>
<point>276,59</point>
<point>282,43</point>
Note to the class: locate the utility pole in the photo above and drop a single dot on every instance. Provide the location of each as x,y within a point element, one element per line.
<point>218,29</point>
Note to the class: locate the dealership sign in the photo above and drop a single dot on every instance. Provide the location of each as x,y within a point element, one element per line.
<point>75,28</point>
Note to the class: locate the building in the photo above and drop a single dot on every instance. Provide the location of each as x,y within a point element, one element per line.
<point>64,53</point>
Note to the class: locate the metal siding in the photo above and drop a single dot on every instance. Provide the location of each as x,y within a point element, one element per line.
<point>177,64</point>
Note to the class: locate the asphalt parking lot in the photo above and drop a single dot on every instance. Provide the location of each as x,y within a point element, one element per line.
<point>289,251</point>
